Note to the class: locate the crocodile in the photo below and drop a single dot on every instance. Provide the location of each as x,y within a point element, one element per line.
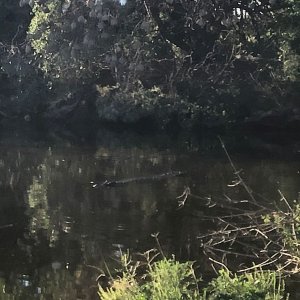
<point>112,183</point>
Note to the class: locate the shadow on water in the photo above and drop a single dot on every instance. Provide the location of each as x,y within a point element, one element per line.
<point>56,230</point>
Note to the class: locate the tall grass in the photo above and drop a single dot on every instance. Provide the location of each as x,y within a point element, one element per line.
<point>168,279</point>
<point>257,285</point>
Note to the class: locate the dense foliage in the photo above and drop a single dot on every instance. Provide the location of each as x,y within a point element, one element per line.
<point>169,279</point>
<point>21,88</point>
<point>210,61</point>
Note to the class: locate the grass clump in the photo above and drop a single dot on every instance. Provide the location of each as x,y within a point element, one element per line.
<point>258,285</point>
<point>168,279</point>
<point>122,288</point>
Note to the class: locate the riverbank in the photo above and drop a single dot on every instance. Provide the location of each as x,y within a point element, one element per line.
<point>81,116</point>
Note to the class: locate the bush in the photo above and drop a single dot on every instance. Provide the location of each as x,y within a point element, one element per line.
<point>168,279</point>
<point>165,280</point>
<point>118,105</point>
<point>252,286</point>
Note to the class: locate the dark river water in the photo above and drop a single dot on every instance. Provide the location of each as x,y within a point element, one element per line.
<point>56,230</point>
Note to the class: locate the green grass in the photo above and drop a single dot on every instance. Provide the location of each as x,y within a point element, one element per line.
<point>168,279</point>
<point>257,285</point>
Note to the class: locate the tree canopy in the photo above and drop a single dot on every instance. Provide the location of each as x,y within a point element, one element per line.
<point>196,60</point>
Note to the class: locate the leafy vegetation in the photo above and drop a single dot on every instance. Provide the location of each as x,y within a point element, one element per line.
<point>226,61</point>
<point>256,285</point>
<point>287,226</point>
<point>168,279</point>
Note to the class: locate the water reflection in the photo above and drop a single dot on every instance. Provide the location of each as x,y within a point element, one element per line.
<point>56,230</point>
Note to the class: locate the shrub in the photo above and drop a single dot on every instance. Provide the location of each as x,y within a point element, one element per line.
<point>252,286</point>
<point>168,279</point>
